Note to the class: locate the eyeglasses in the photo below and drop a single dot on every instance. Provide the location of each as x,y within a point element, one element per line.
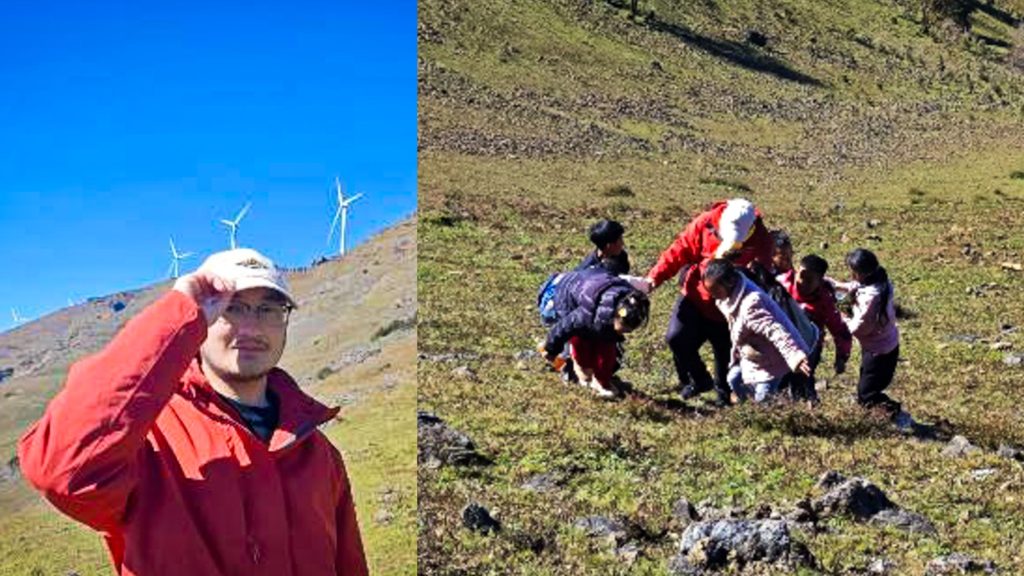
<point>274,315</point>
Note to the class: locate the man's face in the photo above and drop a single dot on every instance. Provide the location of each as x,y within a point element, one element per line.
<point>717,288</point>
<point>782,259</point>
<point>807,282</point>
<point>615,248</point>
<point>247,340</point>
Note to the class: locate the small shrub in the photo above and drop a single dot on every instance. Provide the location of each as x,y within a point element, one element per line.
<point>618,191</point>
<point>394,326</point>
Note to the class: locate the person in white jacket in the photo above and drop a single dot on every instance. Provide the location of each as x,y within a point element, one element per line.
<point>766,346</point>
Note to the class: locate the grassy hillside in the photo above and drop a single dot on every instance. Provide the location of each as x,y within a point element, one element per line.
<point>537,118</point>
<point>350,344</point>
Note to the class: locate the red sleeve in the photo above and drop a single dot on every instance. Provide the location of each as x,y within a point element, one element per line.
<point>350,561</point>
<point>686,249</point>
<point>83,453</point>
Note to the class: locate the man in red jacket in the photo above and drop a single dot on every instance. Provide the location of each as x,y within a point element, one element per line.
<point>732,230</point>
<point>189,450</point>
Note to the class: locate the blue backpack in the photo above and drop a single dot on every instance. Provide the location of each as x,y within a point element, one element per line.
<point>546,299</point>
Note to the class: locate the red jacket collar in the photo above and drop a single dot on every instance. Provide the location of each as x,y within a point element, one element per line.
<point>298,413</point>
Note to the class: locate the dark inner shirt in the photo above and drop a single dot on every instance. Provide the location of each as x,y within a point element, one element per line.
<point>261,421</point>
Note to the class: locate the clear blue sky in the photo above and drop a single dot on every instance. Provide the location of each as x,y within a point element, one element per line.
<point>122,124</point>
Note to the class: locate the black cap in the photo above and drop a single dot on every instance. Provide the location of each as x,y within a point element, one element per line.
<point>604,232</point>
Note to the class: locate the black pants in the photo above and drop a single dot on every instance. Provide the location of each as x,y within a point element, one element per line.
<point>688,330</point>
<point>876,372</point>
<point>802,387</point>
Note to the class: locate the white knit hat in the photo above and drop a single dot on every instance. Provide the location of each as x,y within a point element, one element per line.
<point>735,225</point>
<point>248,269</point>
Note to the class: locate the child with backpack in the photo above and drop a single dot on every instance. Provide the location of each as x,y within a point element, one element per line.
<point>766,345</point>
<point>873,323</point>
<point>591,311</point>
<point>807,285</point>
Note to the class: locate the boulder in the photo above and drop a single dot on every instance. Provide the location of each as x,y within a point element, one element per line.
<point>959,446</point>
<point>441,445</point>
<point>730,544</point>
<point>478,519</point>
<point>957,563</point>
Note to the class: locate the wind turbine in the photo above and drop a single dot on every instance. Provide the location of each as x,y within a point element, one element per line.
<point>176,257</point>
<point>233,224</point>
<point>17,319</point>
<point>342,213</point>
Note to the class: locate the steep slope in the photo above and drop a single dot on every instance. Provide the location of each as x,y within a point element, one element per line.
<point>849,125</point>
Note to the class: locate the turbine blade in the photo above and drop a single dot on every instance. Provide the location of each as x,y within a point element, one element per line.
<point>170,269</point>
<point>228,223</point>
<point>173,249</point>
<point>353,198</point>
<point>185,255</point>
<point>242,213</point>
<point>330,233</point>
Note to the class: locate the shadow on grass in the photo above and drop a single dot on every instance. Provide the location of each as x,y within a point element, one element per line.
<point>737,53</point>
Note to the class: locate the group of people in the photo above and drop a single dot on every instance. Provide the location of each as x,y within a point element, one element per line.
<point>764,316</point>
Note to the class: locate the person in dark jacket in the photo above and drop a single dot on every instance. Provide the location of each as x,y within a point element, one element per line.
<point>595,310</point>
<point>610,248</point>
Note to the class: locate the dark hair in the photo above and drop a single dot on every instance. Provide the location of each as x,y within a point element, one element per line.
<point>604,232</point>
<point>864,262</point>
<point>780,239</point>
<point>633,309</point>
<point>721,270</point>
<point>815,264</point>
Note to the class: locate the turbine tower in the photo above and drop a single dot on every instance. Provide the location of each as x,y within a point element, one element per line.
<point>176,257</point>
<point>342,214</point>
<point>17,319</point>
<point>233,224</point>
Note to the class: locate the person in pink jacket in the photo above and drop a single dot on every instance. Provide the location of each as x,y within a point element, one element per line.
<point>189,450</point>
<point>873,324</point>
<point>766,346</point>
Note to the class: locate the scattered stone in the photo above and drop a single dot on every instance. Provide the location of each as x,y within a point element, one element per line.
<point>684,512</point>
<point>735,544</point>
<point>478,519</point>
<point>526,354</point>
<point>6,373</point>
<point>982,473</point>
<point>522,365</point>
<point>874,237</point>
<point>10,471</point>
<point>628,553</point>
<point>802,512</point>
<point>964,338</point>
<point>957,563</point>
<point>829,480</point>
<point>880,567</point>
<point>959,446</point>
<point>865,502</point>
<point>466,373</point>
<point>542,482</point>
<point>1013,360</point>
<point>1010,452</point>
<point>1001,345</point>
<point>855,497</point>
<point>873,223</point>
<point>439,444</point>
<point>1007,328</point>
<point>603,528</point>
<point>823,245</point>
<point>656,66</point>
<point>383,517</point>
<point>1015,266</point>
<point>904,520</point>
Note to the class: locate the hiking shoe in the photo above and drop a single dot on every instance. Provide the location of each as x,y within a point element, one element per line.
<point>602,392</point>
<point>904,421</point>
<point>693,390</point>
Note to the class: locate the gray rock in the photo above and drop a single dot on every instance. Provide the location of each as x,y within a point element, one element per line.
<point>957,563</point>
<point>547,482</point>
<point>880,567</point>
<point>440,444</point>
<point>719,544</point>
<point>830,479</point>
<point>478,519</point>
<point>904,520</point>
<point>1010,452</point>
<point>684,512</point>
<point>855,497</point>
<point>959,446</point>
<point>603,528</point>
<point>466,373</point>
<point>628,553</point>
<point>383,517</point>
<point>1013,360</point>
<point>982,473</point>
<point>526,354</point>
<point>802,512</point>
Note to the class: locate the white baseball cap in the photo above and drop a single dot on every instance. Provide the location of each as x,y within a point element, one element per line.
<point>248,269</point>
<point>735,225</point>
